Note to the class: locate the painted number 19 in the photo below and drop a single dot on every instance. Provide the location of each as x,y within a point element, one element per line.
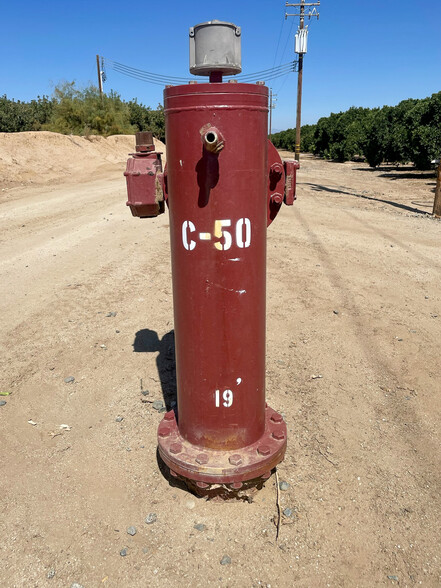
<point>227,398</point>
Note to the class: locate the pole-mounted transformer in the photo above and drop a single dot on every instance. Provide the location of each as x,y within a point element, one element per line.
<point>301,41</point>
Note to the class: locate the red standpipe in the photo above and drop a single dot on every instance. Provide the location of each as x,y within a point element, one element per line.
<point>223,186</point>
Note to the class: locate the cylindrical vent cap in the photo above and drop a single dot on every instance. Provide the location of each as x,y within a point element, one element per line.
<point>215,47</point>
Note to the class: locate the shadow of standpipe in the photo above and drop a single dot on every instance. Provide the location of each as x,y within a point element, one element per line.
<point>147,341</point>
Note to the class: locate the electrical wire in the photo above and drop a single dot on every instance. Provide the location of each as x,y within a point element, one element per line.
<point>162,80</point>
<point>287,39</point>
<point>278,42</point>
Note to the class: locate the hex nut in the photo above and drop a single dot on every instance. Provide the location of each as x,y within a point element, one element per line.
<point>276,198</point>
<point>202,458</point>
<point>276,417</point>
<point>236,485</point>
<point>279,435</point>
<point>169,416</point>
<point>277,169</point>
<point>175,448</point>
<point>235,459</point>
<point>264,450</point>
<point>164,432</point>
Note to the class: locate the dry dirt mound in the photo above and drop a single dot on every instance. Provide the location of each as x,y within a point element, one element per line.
<point>42,157</point>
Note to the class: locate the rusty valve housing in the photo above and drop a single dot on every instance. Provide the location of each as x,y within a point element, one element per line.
<point>144,178</point>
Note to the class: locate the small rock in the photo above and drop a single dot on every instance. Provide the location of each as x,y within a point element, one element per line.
<point>225,560</point>
<point>145,550</point>
<point>335,311</point>
<point>145,392</point>
<point>2,402</point>
<point>151,518</point>
<point>116,331</point>
<point>69,379</point>
<point>395,578</point>
<point>131,531</point>
<point>50,574</point>
<point>111,314</point>
<point>119,419</point>
<point>426,297</point>
<point>316,377</point>
<point>103,347</point>
<point>76,585</point>
<point>287,512</point>
<point>157,405</point>
<point>33,423</point>
<point>190,504</point>
<point>283,486</point>
<point>123,552</point>
<point>200,527</point>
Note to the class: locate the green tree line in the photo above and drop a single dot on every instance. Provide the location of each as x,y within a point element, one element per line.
<point>408,132</point>
<point>76,111</point>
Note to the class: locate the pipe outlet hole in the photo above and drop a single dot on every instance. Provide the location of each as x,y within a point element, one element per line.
<point>211,137</point>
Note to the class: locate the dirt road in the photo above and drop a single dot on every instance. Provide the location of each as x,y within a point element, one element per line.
<point>354,273</point>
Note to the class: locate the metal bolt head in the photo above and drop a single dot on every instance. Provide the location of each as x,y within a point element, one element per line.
<point>276,169</point>
<point>175,448</point>
<point>276,198</point>
<point>236,485</point>
<point>266,475</point>
<point>276,417</point>
<point>202,458</point>
<point>264,450</point>
<point>173,473</point>
<point>235,459</point>
<point>202,485</point>
<point>163,431</point>
<point>279,435</point>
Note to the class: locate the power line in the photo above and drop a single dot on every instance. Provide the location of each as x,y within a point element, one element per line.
<point>286,42</point>
<point>163,80</point>
<point>278,42</point>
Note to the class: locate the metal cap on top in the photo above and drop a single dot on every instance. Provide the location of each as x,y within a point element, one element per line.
<point>215,48</point>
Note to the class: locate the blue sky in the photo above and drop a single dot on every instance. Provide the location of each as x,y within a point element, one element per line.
<point>360,53</point>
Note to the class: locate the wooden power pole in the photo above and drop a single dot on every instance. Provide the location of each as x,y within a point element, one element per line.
<point>437,201</point>
<point>301,50</point>
<point>272,105</point>
<point>270,113</point>
<point>100,79</point>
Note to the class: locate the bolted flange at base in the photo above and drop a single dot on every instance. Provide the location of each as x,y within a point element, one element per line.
<point>210,466</point>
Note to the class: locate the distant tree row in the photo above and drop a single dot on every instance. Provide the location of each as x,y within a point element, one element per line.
<point>80,112</point>
<point>408,132</point>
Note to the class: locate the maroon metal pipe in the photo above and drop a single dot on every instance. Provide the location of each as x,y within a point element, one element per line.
<point>217,189</point>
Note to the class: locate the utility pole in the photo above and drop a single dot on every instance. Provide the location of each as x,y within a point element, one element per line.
<point>437,201</point>
<point>100,79</point>
<point>301,47</point>
<point>272,105</point>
